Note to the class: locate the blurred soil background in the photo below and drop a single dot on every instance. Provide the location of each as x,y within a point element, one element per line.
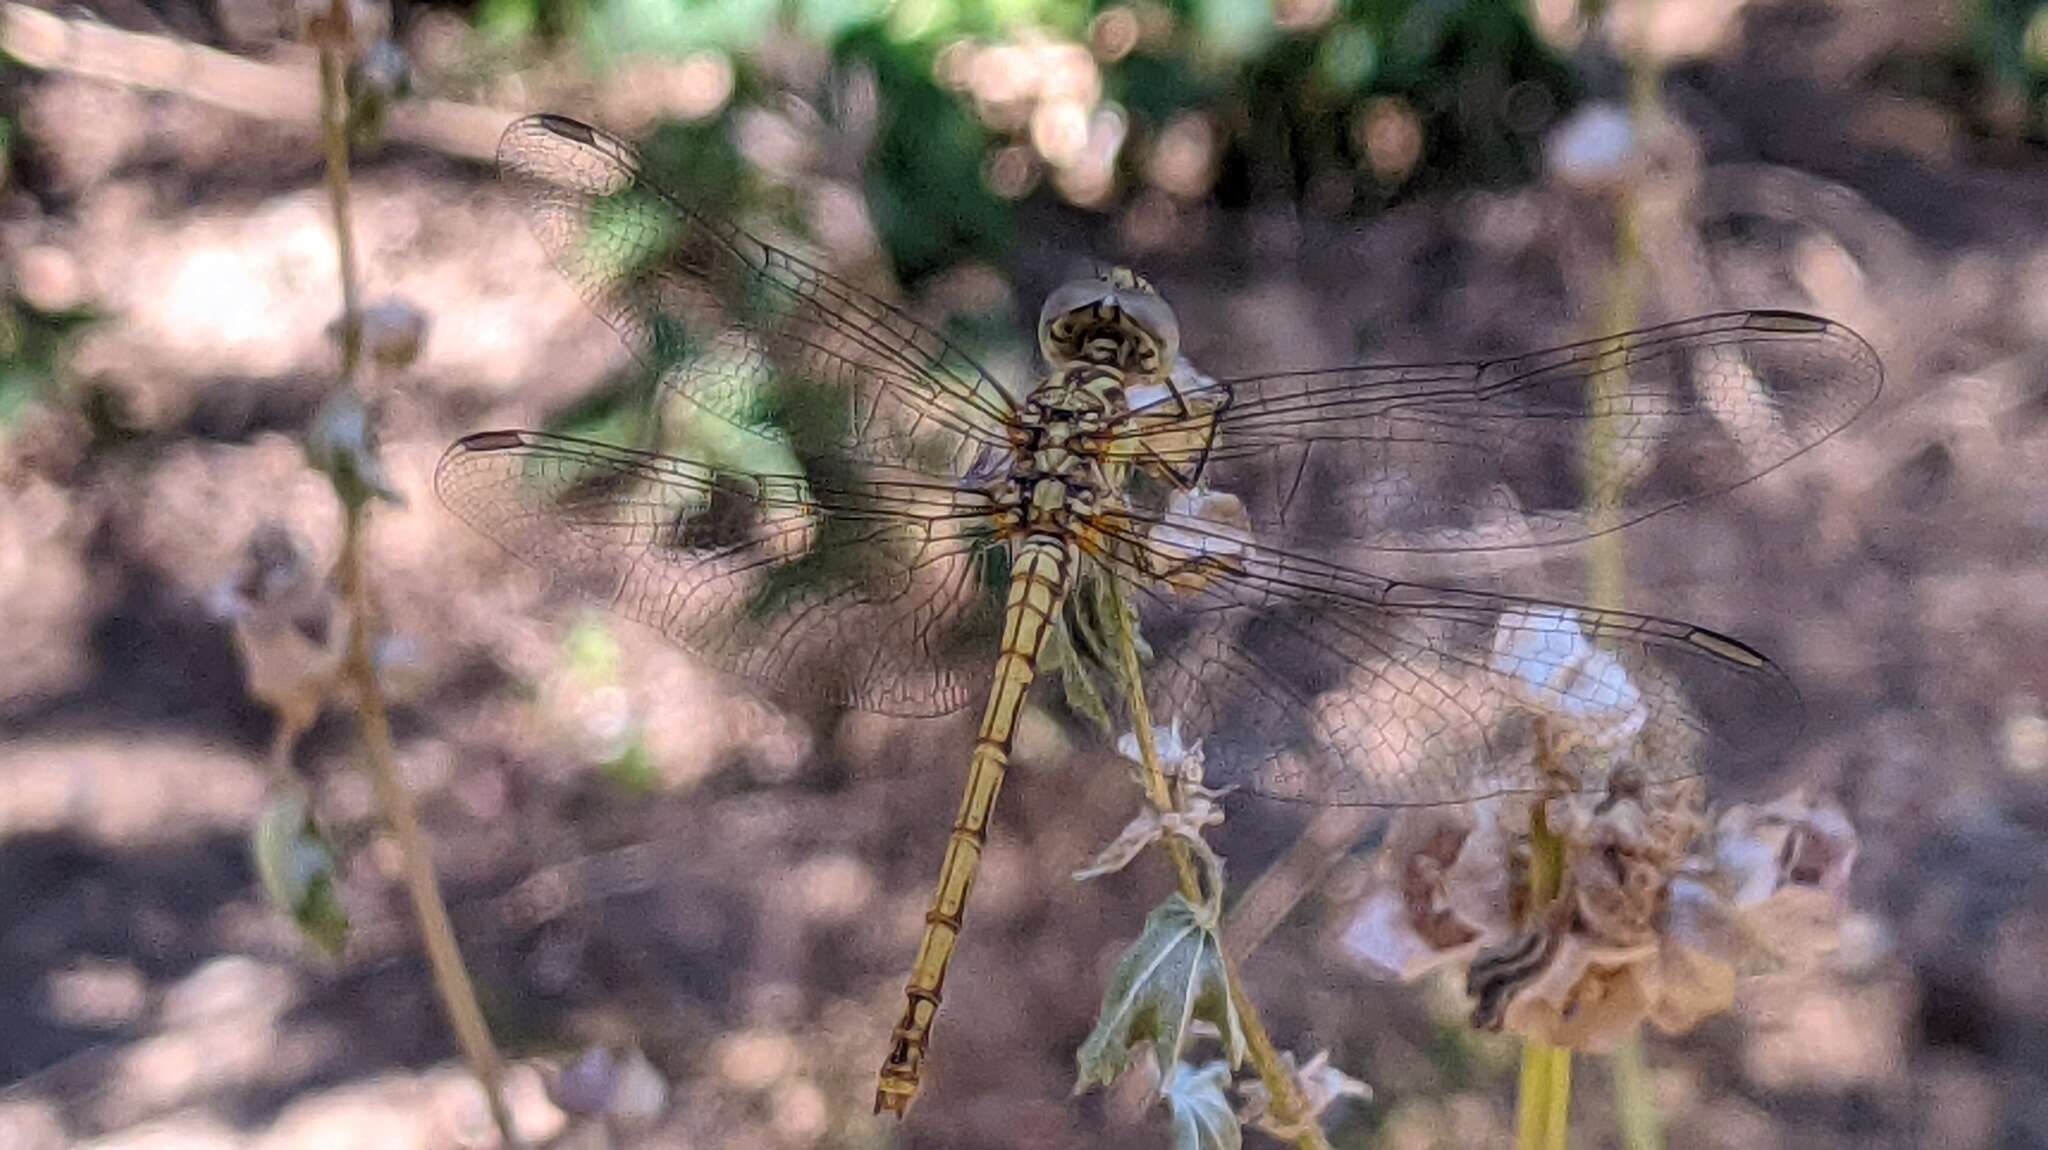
<point>638,850</point>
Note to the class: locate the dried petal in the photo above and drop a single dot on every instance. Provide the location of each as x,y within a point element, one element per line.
<point>1654,920</point>
<point>1137,834</point>
<point>1585,998</point>
<point>1442,892</point>
<point>287,623</point>
<point>1689,987</point>
<point>1202,530</point>
<point>342,442</point>
<point>1318,1084</point>
<point>391,330</point>
<point>1178,759</point>
<point>1791,842</point>
<point>1199,811</point>
<point>1556,671</point>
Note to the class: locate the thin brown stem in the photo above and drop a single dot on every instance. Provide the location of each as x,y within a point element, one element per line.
<point>334,135</point>
<point>1288,1105</point>
<point>444,956</point>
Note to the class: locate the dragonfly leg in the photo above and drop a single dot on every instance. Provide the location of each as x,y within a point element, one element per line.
<point>1037,584</point>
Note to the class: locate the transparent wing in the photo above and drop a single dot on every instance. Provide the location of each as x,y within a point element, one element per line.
<point>1313,682</point>
<point>861,595</point>
<point>1494,455</point>
<point>677,282</point>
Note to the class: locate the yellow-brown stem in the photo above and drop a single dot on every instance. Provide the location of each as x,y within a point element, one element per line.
<point>1038,583</point>
<point>1157,788</point>
<point>1543,1114</point>
<point>1289,1108</point>
<point>1635,1104</point>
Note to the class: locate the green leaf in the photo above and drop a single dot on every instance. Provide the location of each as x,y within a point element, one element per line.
<point>297,866</point>
<point>1171,976</point>
<point>1077,682</point>
<point>1202,1116</point>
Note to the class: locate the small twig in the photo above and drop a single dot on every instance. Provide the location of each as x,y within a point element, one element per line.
<point>334,135</point>
<point>444,957</point>
<point>284,741</point>
<point>1288,1105</point>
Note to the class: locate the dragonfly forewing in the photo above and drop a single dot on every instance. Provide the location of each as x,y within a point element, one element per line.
<point>1532,450</point>
<point>678,283</point>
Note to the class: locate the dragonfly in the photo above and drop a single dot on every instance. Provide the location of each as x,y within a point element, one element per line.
<point>913,551</point>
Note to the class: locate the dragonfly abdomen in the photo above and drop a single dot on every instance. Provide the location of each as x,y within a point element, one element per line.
<point>1039,578</point>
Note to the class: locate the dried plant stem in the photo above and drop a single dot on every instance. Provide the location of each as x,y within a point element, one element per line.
<point>1157,788</point>
<point>1543,1114</point>
<point>334,137</point>
<point>444,957</point>
<point>1288,1105</point>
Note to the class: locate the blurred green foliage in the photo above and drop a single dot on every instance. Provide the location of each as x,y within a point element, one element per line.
<point>1288,82</point>
<point>32,342</point>
<point>31,347</point>
<point>2010,40</point>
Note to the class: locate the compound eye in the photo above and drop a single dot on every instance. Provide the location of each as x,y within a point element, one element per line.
<point>1056,334</point>
<point>1153,317</point>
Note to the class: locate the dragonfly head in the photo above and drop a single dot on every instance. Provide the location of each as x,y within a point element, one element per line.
<point>1116,320</point>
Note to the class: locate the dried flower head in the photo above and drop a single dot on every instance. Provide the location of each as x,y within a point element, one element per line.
<point>1202,531</point>
<point>1656,914</point>
<point>288,625</point>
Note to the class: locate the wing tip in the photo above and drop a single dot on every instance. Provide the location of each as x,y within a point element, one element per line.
<point>546,124</point>
<point>575,130</point>
<point>524,151</point>
<point>1730,649</point>
<point>482,442</point>
<point>1787,322</point>
<point>471,446</point>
